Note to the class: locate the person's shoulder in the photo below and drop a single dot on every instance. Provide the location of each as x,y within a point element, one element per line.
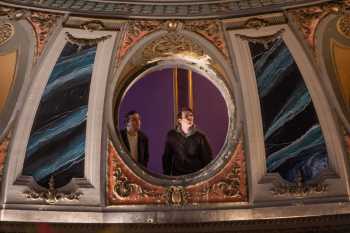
<point>200,133</point>
<point>172,132</point>
<point>122,131</point>
<point>143,135</point>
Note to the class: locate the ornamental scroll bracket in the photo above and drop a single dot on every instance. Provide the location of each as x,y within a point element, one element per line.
<point>265,40</point>
<point>80,42</point>
<point>51,195</point>
<point>256,23</point>
<point>298,189</point>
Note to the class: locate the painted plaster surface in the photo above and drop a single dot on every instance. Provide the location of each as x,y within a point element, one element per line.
<point>56,146</point>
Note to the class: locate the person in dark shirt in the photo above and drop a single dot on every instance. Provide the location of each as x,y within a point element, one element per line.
<point>186,149</point>
<point>134,139</point>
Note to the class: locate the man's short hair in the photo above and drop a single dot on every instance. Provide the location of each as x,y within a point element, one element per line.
<point>184,109</point>
<point>130,113</point>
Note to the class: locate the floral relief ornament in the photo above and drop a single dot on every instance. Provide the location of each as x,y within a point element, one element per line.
<point>7,31</point>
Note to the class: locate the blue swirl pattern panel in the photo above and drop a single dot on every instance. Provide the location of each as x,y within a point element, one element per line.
<point>56,145</point>
<point>294,143</point>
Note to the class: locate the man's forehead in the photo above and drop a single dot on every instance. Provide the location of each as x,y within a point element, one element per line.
<point>187,113</point>
<point>135,115</point>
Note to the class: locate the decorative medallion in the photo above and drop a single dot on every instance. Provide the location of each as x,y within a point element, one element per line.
<point>172,44</point>
<point>343,25</point>
<point>6,32</point>
<point>52,196</point>
<point>176,195</point>
<point>4,145</point>
<point>308,18</point>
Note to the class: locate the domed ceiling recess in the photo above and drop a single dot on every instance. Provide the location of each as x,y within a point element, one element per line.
<point>162,8</point>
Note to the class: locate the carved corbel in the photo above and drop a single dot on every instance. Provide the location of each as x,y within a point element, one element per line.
<point>256,23</point>
<point>51,195</point>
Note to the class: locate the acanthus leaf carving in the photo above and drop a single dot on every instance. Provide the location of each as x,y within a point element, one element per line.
<point>51,195</point>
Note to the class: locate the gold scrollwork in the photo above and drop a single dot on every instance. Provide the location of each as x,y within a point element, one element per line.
<point>124,188</point>
<point>6,32</point>
<point>80,42</point>
<point>176,195</point>
<point>172,44</point>
<point>93,25</point>
<point>229,186</point>
<point>256,23</point>
<point>343,25</point>
<point>298,189</point>
<point>52,196</point>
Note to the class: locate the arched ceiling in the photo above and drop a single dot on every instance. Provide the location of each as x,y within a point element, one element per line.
<point>162,9</point>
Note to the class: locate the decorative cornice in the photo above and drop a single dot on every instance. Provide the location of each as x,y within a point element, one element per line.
<point>191,9</point>
<point>52,196</point>
<point>6,32</point>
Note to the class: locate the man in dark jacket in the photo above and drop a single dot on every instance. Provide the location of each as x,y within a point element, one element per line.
<point>135,141</point>
<point>186,150</point>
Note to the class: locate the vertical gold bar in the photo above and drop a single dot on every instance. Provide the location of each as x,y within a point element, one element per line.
<point>190,89</point>
<point>175,94</point>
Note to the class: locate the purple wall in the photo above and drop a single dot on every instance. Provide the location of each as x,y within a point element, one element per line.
<point>210,111</point>
<point>152,97</point>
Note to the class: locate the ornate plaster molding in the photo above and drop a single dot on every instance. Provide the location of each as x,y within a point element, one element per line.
<point>343,25</point>
<point>308,18</point>
<point>211,30</point>
<point>228,185</point>
<point>172,44</point>
<point>256,23</point>
<point>136,30</point>
<point>4,146</point>
<point>7,31</point>
<point>51,195</point>
<point>42,23</point>
<point>265,40</point>
<point>298,189</point>
<point>80,42</point>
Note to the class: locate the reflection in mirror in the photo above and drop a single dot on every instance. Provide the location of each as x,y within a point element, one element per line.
<point>173,121</point>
